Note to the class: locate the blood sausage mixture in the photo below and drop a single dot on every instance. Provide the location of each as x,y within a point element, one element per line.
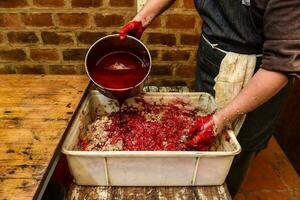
<point>150,127</point>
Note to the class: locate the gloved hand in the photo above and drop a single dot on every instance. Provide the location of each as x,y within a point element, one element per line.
<point>203,133</point>
<point>133,28</point>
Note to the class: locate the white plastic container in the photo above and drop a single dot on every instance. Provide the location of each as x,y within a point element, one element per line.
<point>147,168</point>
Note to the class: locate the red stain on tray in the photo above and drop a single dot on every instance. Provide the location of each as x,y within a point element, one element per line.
<point>152,127</point>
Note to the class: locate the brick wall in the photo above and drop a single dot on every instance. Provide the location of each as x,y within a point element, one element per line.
<point>52,36</point>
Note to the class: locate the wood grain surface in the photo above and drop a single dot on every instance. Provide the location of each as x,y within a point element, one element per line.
<point>34,113</point>
<point>77,192</point>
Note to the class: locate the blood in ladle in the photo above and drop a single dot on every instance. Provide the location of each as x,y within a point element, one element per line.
<point>119,72</point>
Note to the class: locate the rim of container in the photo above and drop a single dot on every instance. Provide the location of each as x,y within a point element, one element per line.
<point>157,153</point>
<point>71,152</point>
<point>114,89</point>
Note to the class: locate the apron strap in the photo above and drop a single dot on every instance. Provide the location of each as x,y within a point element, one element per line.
<point>246,2</point>
<point>214,46</point>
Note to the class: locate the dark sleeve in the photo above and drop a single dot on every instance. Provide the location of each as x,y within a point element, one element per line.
<point>281,49</point>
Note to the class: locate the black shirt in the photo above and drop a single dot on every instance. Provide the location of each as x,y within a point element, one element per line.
<point>271,27</point>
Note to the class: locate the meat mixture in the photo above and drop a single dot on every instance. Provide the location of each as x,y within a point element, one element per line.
<point>150,127</point>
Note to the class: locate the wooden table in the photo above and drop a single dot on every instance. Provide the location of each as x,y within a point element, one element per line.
<point>148,193</point>
<point>77,192</point>
<point>34,113</point>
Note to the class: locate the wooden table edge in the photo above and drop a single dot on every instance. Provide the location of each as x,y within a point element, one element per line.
<point>57,153</point>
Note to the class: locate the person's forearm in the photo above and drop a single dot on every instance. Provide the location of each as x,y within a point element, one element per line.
<point>151,9</point>
<point>260,88</point>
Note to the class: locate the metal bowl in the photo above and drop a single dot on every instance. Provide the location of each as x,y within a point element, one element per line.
<point>112,43</point>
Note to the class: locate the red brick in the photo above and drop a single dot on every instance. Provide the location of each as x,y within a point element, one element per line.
<point>73,20</point>
<point>1,38</point>
<point>156,23</point>
<point>62,69</point>
<point>49,3</point>
<point>190,83</point>
<point>109,20</point>
<point>186,71</point>
<point>81,69</point>
<point>189,4</point>
<point>154,54</point>
<point>165,81</point>
<point>13,55</point>
<point>189,39</point>
<point>178,21</point>
<point>176,55</point>
<point>22,37</point>
<point>12,3</point>
<point>122,3</point>
<point>273,195</point>
<point>89,37</point>
<point>87,3</point>
<point>44,54</point>
<point>170,82</point>
<point>153,80</point>
<point>32,69</point>
<point>11,20</point>
<point>162,38</point>
<point>7,70</point>
<point>74,54</point>
<point>162,70</point>
<point>37,19</point>
<point>56,38</point>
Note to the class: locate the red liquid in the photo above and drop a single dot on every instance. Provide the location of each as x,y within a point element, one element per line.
<point>119,70</point>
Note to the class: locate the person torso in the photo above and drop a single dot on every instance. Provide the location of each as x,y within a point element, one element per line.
<point>236,25</point>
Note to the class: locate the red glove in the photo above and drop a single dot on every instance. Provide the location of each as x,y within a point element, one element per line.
<point>202,133</point>
<point>133,28</point>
